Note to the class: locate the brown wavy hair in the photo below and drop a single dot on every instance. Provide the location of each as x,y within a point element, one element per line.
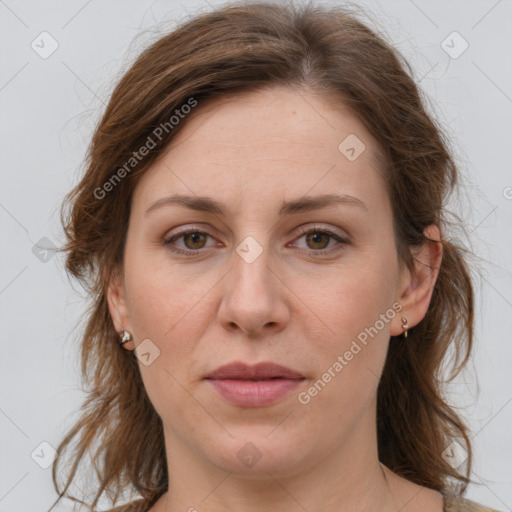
<point>238,48</point>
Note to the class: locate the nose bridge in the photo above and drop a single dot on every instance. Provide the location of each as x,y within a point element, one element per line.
<point>251,272</point>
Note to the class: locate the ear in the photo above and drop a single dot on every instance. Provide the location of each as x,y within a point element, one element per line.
<point>117,304</point>
<point>416,288</point>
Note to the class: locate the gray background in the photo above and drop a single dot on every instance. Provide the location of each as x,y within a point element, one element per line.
<point>48,110</point>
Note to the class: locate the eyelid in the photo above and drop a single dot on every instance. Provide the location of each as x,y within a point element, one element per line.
<point>325,229</point>
<point>305,228</point>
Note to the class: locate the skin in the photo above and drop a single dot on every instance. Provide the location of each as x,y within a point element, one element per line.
<point>290,306</point>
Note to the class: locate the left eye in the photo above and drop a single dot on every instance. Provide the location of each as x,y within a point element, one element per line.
<point>319,239</point>
<point>195,241</point>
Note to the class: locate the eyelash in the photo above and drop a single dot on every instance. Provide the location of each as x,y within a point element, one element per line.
<point>304,231</point>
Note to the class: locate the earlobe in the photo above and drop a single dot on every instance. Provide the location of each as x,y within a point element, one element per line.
<point>419,284</point>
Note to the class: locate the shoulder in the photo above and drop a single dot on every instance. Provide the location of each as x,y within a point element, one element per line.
<point>134,506</point>
<point>459,504</point>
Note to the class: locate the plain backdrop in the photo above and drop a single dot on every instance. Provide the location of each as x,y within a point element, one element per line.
<point>49,105</point>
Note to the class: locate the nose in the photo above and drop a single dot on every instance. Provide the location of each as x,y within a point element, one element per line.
<point>254,298</point>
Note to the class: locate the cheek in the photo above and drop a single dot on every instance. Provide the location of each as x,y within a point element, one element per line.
<point>162,309</point>
<point>349,298</point>
<point>161,297</point>
<point>353,317</point>
<point>169,306</point>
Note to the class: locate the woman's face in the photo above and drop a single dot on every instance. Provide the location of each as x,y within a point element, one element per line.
<point>251,286</point>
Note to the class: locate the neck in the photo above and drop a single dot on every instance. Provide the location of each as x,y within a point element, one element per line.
<point>347,478</point>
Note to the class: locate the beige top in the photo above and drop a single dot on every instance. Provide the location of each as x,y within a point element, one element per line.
<point>452,503</point>
<point>460,504</point>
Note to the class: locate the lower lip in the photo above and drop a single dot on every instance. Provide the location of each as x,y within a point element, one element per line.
<point>254,393</point>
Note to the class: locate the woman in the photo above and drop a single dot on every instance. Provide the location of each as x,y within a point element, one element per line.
<point>262,228</point>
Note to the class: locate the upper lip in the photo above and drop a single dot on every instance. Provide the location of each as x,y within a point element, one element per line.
<point>260,371</point>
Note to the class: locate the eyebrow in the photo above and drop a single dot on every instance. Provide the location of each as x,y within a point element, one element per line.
<point>303,204</point>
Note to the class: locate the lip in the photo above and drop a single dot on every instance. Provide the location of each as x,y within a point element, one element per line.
<point>254,385</point>
<point>260,371</point>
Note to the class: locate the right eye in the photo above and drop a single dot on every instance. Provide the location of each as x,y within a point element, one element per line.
<point>193,239</point>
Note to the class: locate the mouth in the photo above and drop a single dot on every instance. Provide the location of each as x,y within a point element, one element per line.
<point>254,385</point>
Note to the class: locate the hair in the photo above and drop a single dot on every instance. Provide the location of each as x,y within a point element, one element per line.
<point>235,49</point>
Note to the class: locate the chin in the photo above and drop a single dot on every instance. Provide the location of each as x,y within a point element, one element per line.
<point>260,455</point>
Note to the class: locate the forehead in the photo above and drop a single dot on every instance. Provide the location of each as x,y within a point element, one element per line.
<point>273,116</point>
<point>267,143</point>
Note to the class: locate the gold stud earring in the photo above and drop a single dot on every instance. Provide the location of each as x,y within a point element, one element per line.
<point>404,326</point>
<point>125,337</point>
